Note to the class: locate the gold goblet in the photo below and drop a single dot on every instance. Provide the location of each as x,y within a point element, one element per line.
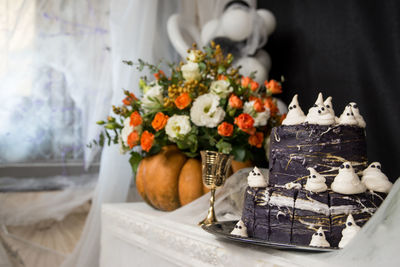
<point>215,166</point>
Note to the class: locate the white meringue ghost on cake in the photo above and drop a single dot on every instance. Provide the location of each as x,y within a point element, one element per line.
<point>329,106</point>
<point>356,112</point>
<point>318,239</point>
<point>319,114</point>
<point>347,181</point>
<point>315,182</point>
<point>347,117</point>
<point>295,114</point>
<point>349,232</point>
<point>256,178</point>
<point>240,229</point>
<point>375,180</point>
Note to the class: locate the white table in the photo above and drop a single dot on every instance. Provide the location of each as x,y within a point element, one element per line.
<point>134,234</point>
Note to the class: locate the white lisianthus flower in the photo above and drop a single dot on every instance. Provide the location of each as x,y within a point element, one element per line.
<point>177,125</point>
<point>260,118</point>
<point>206,111</point>
<point>153,97</point>
<point>127,130</point>
<point>191,71</point>
<point>221,88</point>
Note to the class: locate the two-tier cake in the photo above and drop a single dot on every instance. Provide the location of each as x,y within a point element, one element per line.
<point>314,194</point>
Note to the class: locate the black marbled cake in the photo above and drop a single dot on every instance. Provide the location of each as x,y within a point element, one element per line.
<point>292,216</point>
<point>294,148</point>
<point>359,205</point>
<point>281,207</point>
<point>311,211</point>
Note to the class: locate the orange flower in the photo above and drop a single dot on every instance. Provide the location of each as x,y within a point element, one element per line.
<point>273,87</point>
<point>146,141</point>
<point>136,119</point>
<point>235,102</point>
<point>159,121</point>
<point>159,74</point>
<point>254,86</point>
<point>133,139</point>
<point>128,100</point>
<point>183,101</point>
<point>245,123</point>
<point>225,129</point>
<point>222,77</point>
<point>245,81</point>
<point>270,104</point>
<point>258,105</point>
<point>256,139</point>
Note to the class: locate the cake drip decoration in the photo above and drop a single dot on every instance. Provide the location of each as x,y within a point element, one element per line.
<point>295,114</point>
<point>375,180</point>
<point>347,181</point>
<point>315,182</point>
<point>356,112</point>
<point>329,106</point>
<point>240,229</point>
<point>347,117</point>
<point>319,114</point>
<point>256,178</point>
<point>349,231</point>
<point>318,239</point>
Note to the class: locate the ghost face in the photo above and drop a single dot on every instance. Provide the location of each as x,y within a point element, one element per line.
<point>346,167</point>
<point>354,108</point>
<point>375,166</point>
<point>256,178</point>
<point>240,229</point>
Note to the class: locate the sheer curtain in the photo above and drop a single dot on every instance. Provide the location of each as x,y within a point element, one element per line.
<point>137,31</point>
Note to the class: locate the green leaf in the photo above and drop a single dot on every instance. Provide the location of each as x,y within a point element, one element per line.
<point>202,66</point>
<point>127,62</point>
<point>101,139</point>
<point>134,160</point>
<point>100,122</point>
<point>239,153</point>
<point>221,69</point>
<point>224,147</point>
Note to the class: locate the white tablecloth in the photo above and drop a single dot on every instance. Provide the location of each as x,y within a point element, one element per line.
<point>134,234</point>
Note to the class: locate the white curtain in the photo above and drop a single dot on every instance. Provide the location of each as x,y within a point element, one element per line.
<point>137,31</point>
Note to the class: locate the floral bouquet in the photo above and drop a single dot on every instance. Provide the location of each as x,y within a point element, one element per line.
<point>205,104</point>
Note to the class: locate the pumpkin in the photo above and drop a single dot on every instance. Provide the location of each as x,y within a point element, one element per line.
<point>169,180</point>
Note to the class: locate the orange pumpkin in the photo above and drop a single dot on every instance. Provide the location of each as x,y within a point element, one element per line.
<point>169,180</point>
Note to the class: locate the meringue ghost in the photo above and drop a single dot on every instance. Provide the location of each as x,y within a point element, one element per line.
<point>329,106</point>
<point>240,229</point>
<point>319,114</point>
<point>295,114</point>
<point>347,181</point>
<point>315,182</point>
<point>360,120</point>
<point>318,239</point>
<point>347,117</point>
<point>349,231</point>
<point>374,179</point>
<point>256,178</point>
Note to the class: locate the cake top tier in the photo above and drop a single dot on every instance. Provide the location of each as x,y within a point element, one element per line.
<point>322,113</point>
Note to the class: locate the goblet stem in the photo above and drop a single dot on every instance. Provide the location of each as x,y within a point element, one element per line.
<point>210,219</point>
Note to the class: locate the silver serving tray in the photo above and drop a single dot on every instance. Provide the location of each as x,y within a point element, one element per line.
<point>223,229</point>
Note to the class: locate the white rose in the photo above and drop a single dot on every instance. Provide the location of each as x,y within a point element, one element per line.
<point>206,111</point>
<point>221,88</point>
<point>260,118</point>
<point>153,97</point>
<point>191,71</point>
<point>177,125</point>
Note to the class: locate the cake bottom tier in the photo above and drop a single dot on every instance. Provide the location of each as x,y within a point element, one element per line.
<point>292,216</point>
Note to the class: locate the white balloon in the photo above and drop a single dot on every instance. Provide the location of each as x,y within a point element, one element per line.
<point>236,24</point>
